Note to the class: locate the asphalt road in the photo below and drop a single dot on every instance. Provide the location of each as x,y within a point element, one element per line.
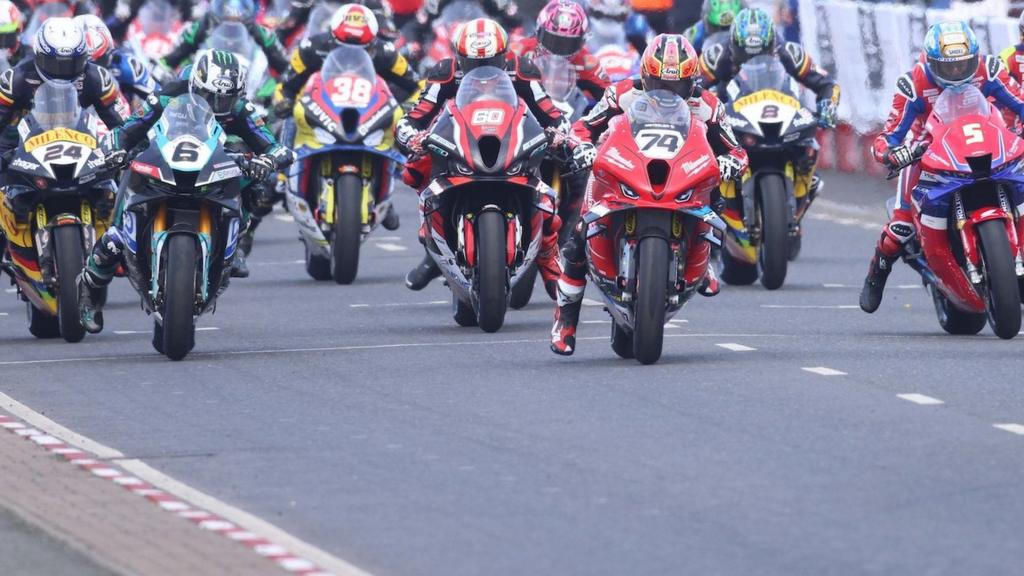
<point>363,420</point>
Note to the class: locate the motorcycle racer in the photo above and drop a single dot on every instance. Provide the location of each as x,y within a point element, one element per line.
<point>12,25</point>
<point>718,17</point>
<point>130,73</point>
<point>952,59</point>
<point>669,63</point>
<point>418,31</point>
<point>480,42</point>
<point>219,78</point>
<point>562,28</point>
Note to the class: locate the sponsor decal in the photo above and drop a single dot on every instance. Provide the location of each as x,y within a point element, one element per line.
<point>695,166</point>
<point>320,114</point>
<point>372,120</point>
<point>767,96</point>
<point>615,157</point>
<point>24,165</point>
<point>59,134</point>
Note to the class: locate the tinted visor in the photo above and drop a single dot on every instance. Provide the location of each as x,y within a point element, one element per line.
<point>560,45</point>
<point>61,67</point>
<point>9,40</point>
<point>466,63</point>
<point>954,71</point>
<point>682,88</point>
<point>220,104</point>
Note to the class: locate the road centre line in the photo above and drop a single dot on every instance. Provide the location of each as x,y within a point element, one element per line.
<point>356,348</point>
<point>142,471</point>
<point>809,307</point>
<point>823,371</point>
<point>391,247</point>
<point>1017,429</point>
<point>400,304</point>
<point>920,399</point>
<point>736,347</point>
<point>126,332</point>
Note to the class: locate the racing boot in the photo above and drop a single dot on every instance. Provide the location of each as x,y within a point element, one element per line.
<point>548,262</point>
<point>874,284</point>
<point>239,267</point>
<point>567,313</point>
<point>90,307</point>
<point>710,286</point>
<point>419,277</point>
<point>390,221</point>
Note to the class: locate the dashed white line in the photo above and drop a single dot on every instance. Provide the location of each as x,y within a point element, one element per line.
<point>387,238</point>
<point>390,247</point>
<point>1017,429</point>
<point>735,347</point>
<point>920,399</point>
<point>400,304</point>
<point>284,217</point>
<point>128,332</point>
<point>596,321</point>
<point>4,314</point>
<point>591,302</point>
<point>809,307</point>
<point>10,290</point>
<point>823,371</point>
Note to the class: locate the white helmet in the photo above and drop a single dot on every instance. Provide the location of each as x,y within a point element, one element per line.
<point>61,50</point>
<point>218,77</point>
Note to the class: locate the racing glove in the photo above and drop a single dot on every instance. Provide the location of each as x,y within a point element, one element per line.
<point>826,113</point>
<point>114,158</point>
<point>729,167</point>
<point>260,167</point>
<point>583,156</point>
<point>898,158</point>
<point>283,107</point>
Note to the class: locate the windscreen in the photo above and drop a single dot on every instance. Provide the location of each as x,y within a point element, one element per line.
<point>605,32</point>
<point>764,73</point>
<point>461,11</point>
<point>486,84</point>
<point>558,76</point>
<point>157,17</point>
<point>660,121</point>
<point>320,18</point>
<point>56,105</point>
<point>233,37</point>
<point>957,102</point>
<point>188,115</point>
<point>349,77</point>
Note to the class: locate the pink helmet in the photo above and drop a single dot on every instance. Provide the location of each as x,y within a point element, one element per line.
<point>562,27</point>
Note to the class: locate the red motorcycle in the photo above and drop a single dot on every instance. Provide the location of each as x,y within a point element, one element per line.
<point>483,205</point>
<point>968,209</point>
<point>648,220</point>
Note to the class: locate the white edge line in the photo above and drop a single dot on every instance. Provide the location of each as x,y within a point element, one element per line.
<point>824,371</point>
<point>172,486</point>
<point>736,347</point>
<point>920,399</point>
<point>1012,428</point>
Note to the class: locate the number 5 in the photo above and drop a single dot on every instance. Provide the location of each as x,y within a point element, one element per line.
<point>973,133</point>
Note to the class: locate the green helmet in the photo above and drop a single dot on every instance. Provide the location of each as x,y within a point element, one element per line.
<point>720,13</point>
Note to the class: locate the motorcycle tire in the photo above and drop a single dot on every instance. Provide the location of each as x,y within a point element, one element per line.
<point>1003,292</point>
<point>651,295</point>
<point>69,258</point>
<point>795,243</point>
<point>622,341</point>
<point>318,267</point>
<point>348,228</point>
<point>463,313</point>
<point>952,319</point>
<point>737,272</point>
<point>522,291</point>
<point>491,270</point>
<point>773,254</point>
<point>179,296</point>
<point>42,325</point>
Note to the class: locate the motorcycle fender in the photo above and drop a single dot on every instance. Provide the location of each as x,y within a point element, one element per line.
<point>949,276</point>
<point>653,223</point>
<point>970,239</point>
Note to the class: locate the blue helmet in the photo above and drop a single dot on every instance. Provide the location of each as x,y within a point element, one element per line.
<point>951,51</point>
<point>243,11</point>
<point>61,50</point>
<point>752,34</point>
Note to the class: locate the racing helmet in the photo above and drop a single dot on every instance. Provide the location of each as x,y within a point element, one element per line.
<point>354,24</point>
<point>97,38</point>
<point>951,53</point>
<point>243,11</point>
<point>12,23</point>
<point>669,63</point>
<point>721,13</point>
<point>480,42</point>
<point>61,52</point>
<point>562,28</point>
<point>218,77</point>
<point>617,10</point>
<point>752,34</point>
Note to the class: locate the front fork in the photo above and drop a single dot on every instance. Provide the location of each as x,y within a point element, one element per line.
<point>677,250</point>
<point>965,224</point>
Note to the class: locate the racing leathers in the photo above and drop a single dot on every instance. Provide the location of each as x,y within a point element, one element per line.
<point>704,106</point>
<point>131,75</point>
<point>591,77</point>
<point>719,67</point>
<point>195,34</point>
<point>243,122</point>
<point>904,131</point>
<point>442,84</point>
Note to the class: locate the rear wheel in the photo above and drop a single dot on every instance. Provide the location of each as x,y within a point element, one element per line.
<point>179,296</point>
<point>651,295</point>
<point>737,272</point>
<point>317,266</point>
<point>41,324</point>
<point>523,289</point>
<point>622,341</point>
<point>348,228</point>
<point>773,255</point>
<point>69,257</point>
<point>492,270</point>
<point>952,319</point>
<point>1003,297</point>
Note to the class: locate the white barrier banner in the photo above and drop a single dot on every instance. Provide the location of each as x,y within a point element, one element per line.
<point>867,46</point>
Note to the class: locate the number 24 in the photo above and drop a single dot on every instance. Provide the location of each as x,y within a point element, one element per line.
<point>973,134</point>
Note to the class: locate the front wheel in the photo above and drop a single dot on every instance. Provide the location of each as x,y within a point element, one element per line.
<point>69,257</point>
<point>179,326</point>
<point>1003,297</point>
<point>491,270</point>
<point>773,255</point>
<point>348,228</point>
<point>651,296</point>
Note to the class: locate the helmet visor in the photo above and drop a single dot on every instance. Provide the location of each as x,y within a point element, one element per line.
<point>954,72</point>
<point>60,67</point>
<point>222,104</point>
<point>560,45</point>
<point>682,88</point>
<point>466,63</point>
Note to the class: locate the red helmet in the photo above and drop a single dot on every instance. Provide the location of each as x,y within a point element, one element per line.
<point>354,24</point>
<point>97,38</point>
<point>480,42</point>
<point>669,63</point>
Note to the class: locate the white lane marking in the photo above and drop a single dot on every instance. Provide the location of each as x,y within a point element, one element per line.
<point>285,217</point>
<point>390,247</point>
<point>10,290</point>
<point>126,332</point>
<point>170,485</point>
<point>836,286</point>
<point>589,302</point>
<point>735,347</point>
<point>596,321</point>
<point>4,314</point>
<point>823,371</point>
<point>1017,429</point>
<point>809,307</point>
<point>920,399</point>
<point>388,238</point>
<point>909,286</point>
<point>401,345</point>
<point>400,304</point>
